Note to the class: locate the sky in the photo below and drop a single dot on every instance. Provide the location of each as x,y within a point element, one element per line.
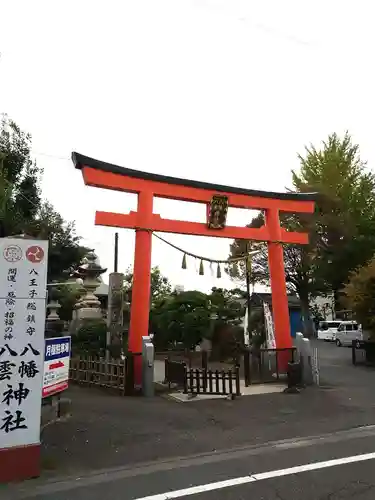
<point>224,91</point>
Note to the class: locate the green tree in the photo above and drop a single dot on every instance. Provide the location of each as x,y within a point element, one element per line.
<point>358,295</point>
<point>226,305</point>
<point>65,252</point>
<point>182,317</point>
<point>67,297</point>
<point>227,311</point>
<point>160,285</point>
<point>344,221</point>
<point>19,177</point>
<point>90,339</point>
<point>21,207</point>
<point>342,230</point>
<point>298,262</point>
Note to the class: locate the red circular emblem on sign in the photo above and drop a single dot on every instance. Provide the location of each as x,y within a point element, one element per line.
<point>12,253</point>
<point>35,254</point>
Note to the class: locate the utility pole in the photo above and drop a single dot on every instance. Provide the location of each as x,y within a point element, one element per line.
<point>115,264</point>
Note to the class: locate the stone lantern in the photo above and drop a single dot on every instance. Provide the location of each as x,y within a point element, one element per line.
<point>88,306</point>
<point>54,326</point>
<point>53,306</point>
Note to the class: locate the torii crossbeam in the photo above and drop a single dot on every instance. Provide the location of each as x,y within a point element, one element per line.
<point>144,221</point>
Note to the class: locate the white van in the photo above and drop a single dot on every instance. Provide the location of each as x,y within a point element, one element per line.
<point>327,330</point>
<point>347,332</point>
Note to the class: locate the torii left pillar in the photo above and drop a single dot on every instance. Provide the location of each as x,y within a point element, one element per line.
<point>141,288</point>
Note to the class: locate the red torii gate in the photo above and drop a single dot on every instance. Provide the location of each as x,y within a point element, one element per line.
<point>147,185</point>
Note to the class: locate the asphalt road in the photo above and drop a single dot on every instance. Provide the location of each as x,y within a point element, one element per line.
<point>282,460</point>
<point>292,469</point>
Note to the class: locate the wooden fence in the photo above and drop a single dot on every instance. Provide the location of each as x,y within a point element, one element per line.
<point>115,374</point>
<point>223,382</point>
<point>202,381</point>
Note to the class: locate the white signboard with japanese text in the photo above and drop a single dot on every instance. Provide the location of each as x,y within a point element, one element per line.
<point>23,280</point>
<point>270,331</point>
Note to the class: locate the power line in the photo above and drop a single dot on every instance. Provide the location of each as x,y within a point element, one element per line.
<point>20,193</point>
<point>2,157</point>
<point>37,153</point>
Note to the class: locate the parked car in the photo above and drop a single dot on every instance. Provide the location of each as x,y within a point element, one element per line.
<point>327,330</point>
<point>347,332</point>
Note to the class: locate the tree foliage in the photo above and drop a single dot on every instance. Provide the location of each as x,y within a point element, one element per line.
<point>160,285</point>
<point>19,176</point>
<point>358,295</point>
<point>22,211</point>
<point>344,221</point>
<point>188,317</point>
<point>341,231</point>
<point>225,304</point>
<point>65,252</point>
<point>298,268</point>
<point>90,339</point>
<point>298,263</point>
<point>67,297</point>
<point>181,318</point>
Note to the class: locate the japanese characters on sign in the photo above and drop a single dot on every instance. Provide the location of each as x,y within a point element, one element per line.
<point>23,275</point>
<point>217,211</point>
<point>115,308</point>
<point>56,365</point>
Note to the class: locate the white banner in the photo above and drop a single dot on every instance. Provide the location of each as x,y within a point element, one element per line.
<point>23,279</point>
<point>270,331</point>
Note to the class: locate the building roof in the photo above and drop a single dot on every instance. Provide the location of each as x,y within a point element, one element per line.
<point>258,298</point>
<point>81,161</point>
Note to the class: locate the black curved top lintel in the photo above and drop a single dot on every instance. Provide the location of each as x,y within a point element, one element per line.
<point>80,161</point>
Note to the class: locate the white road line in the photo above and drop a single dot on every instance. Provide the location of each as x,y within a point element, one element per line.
<point>194,490</point>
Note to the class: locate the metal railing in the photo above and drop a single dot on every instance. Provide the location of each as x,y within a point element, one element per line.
<point>363,352</point>
<point>263,366</point>
<point>187,356</point>
<point>175,372</point>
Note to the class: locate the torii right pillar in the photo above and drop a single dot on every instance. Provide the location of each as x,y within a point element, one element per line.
<point>280,307</point>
